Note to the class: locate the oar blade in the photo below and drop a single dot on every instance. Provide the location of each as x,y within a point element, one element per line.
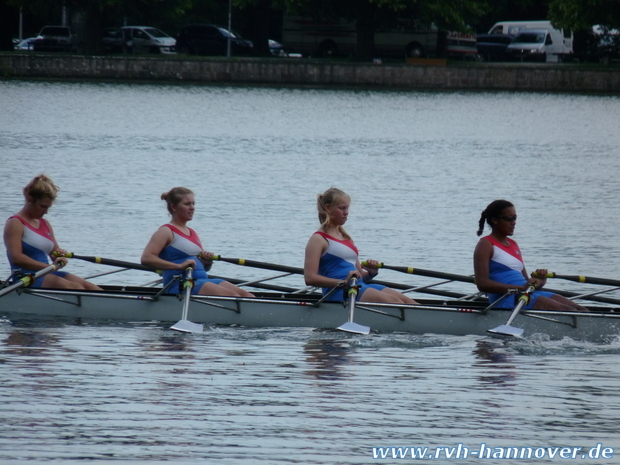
<point>186,326</point>
<point>351,327</point>
<point>506,330</point>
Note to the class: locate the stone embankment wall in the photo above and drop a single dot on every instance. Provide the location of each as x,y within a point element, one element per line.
<point>301,72</point>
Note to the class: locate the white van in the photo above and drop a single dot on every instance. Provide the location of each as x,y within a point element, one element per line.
<point>562,40</point>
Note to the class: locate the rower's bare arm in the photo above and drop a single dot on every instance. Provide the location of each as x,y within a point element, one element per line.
<point>482,260</point>
<point>314,250</point>
<point>13,232</point>
<point>150,256</point>
<point>56,246</point>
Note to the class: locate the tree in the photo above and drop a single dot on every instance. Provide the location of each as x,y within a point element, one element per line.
<point>583,14</point>
<point>370,15</point>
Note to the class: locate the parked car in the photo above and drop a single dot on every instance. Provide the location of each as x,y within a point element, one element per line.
<point>492,47</point>
<point>531,45</point>
<point>56,39</point>
<point>144,39</point>
<point>209,39</point>
<point>276,49</point>
<point>26,44</point>
<point>113,40</point>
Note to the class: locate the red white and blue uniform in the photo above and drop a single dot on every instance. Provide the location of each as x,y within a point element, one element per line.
<point>182,247</point>
<point>38,244</point>
<point>507,267</point>
<point>340,258</point>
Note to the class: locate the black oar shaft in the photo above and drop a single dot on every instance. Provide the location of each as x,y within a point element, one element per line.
<point>264,265</point>
<point>429,273</point>
<point>110,262</point>
<point>581,279</point>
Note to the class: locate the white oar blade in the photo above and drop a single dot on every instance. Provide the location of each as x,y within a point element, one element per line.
<point>351,327</point>
<point>186,326</point>
<point>505,330</point>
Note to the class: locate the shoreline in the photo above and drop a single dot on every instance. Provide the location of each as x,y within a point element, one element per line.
<point>295,72</point>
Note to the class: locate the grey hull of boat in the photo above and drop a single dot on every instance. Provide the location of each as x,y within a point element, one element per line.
<point>294,310</point>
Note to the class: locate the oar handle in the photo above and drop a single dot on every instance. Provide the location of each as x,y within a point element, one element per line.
<point>353,288</point>
<point>30,278</point>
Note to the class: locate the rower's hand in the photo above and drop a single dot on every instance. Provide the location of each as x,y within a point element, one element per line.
<point>372,266</point>
<point>352,274</point>
<point>205,256</point>
<point>189,263</point>
<point>61,260</point>
<point>59,252</point>
<point>537,282</point>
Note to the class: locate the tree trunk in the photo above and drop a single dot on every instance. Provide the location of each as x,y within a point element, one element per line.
<point>261,13</point>
<point>88,28</point>
<point>365,28</point>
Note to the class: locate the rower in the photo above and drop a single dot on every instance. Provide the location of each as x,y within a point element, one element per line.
<point>499,266</point>
<point>175,246</point>
<point>332,257</point>
<point>30,242</point>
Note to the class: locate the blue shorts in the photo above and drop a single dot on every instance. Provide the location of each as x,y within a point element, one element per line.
<point>511,300</point>
<point>338,295</point>
<point>198,283</point>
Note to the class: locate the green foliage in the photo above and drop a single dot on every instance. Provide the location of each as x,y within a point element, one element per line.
<point>583,14</point>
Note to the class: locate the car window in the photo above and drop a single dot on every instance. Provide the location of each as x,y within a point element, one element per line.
<point>55,31</point>
<point>156,32</point>
<point>530,38</point>
<point>139,34</point>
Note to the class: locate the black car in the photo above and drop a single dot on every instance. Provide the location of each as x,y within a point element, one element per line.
<point>208,39</point>
<point>492,47</point>
<point>113,40</point>
<point>56,39</point>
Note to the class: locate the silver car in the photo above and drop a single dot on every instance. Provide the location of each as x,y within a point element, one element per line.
<point>144,39</point>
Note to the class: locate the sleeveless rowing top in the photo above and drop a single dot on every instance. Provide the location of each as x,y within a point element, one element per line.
<point>339,258</point>
<point>37,243</point>
<point>182,247</point>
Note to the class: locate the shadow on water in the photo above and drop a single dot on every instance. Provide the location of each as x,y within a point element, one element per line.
<point>327,357</point>
<point>498,367</point>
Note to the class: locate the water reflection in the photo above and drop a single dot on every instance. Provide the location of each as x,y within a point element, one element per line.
<point>29,342</point>
<point>327,358</point>
<point>498,367</point>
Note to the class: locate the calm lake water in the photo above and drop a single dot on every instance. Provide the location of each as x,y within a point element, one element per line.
<point>419,166</point>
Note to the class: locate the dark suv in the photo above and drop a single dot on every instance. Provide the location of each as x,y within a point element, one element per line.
<point>208,39</point>
<point>56,39</point>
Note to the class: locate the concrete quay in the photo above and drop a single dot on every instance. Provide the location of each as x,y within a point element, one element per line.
<point>546,77</point>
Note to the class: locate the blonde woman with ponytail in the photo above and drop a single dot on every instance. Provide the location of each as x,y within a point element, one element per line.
<point>332,258</point>
<point>29,239</point>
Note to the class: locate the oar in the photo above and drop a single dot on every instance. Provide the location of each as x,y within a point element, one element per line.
<point>109,261</point>
<point>580,279</point>
<point>507,330</point>
<point>255,264</point>
<point>350,326</point>
<point>31,278</point>
<point>429,273</point>
<point>184,325</point>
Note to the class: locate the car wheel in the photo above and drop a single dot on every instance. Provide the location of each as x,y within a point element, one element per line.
<point>414,51</point>
<point>328,49</point>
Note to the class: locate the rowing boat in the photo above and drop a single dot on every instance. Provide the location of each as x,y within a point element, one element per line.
<point>285,309</point>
